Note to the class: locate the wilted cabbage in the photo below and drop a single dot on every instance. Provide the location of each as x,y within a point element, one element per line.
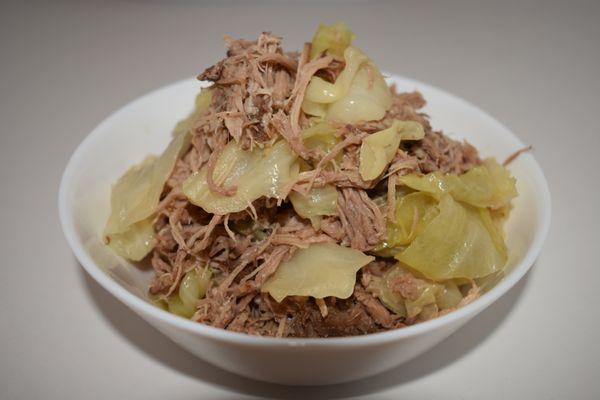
<point>135,242</point>
<point>321,135</point>
<point>134,199</point>
<point>460,242</point>
<point>317,203</point>
<point>368,98</point>
<point>201,105</point>
<point>431,296</point>
<point>487,185</point>
<point>321,91</point>
<point>192,288</point>
<point>333,39</point>
<point>358,94</point>
<point>317,110</point>
<point>136,194</point>
<point>321,270</point>
<point>413,213</point>
<point>378,149</point>
<point>500,215</point>
<point>261,172</point>
<point>449,296</point>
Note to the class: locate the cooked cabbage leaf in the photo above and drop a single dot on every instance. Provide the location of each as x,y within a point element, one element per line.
<point>320,135</point>
<point>261,172</point>
<point>135,242</point>
<point>319,202</point>
<point>136,194</point>
<point>192,288</point>
<point>448,296</point>
<point>321,270</point>
<point>443,295</point>
<point>321,91</point>
<point>487,185</point>
<point>358,94</point>
<point>413,213</point>
<point>427,297</point>
<point>333,38</point>
<point>368,98</point>
<point>391,299</point>
<point>317,110</point>
<point>378,149</point>
<point>460,242</point>
<point>201,105</point>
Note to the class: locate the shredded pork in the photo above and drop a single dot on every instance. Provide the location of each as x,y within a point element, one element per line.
<point>256,99</point>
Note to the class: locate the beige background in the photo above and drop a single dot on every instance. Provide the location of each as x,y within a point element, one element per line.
<point>66,66</point>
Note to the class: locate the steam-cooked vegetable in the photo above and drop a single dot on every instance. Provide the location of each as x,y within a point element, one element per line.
<point>379,148</point>
<point>134,199</point>
<point>317,110</point>
<point>500,215</point>
<point>321,270</point>
<point>390,298</point>
<point>358,94</point>
<point>487,185</point>
<point>203,100</point>
<point>427,297</point>
<point>333,39</point>
<point>135,195</point>
<point>319,202</point>
<point>321,135</point>
<point>261,172</point>
<point>202,103</point>
<point>448,296</point>
<point>460,242</point>
<point>192,288</point>
<point>413,213</point>
<point>194,285</point>
<point>321,91</point>
<point>441,296</point>
<point>136,242</point>
<point>368,98</point>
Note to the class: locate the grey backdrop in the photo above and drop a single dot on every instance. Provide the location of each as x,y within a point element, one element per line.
<point>67,65</point>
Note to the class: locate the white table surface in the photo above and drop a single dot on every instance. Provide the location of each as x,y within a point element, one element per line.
<point>66,66</point>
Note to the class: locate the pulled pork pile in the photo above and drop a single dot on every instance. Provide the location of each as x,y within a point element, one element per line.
<point>257,94</point>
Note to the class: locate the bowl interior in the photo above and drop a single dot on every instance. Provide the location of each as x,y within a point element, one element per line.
<point>144,127</point>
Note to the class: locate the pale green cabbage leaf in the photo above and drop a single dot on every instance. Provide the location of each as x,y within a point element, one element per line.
<point>359,93</point>
<point>135,242</point>
<point>320,136</point>
<point>134,197</point>
<point>378,149</point>
<point>201,105</point>
<point>460,242</point>
<point>317,203</point>
<point>333,39</point>
<point>321,91</point>
<point>368,98</point>
<point>261,172</point>
<point>413,213</point>
<point>432,295</point>
<point>136,194</point>
<point>192,288</point>
<point>317,110</point>
<point>487,185</point>
<point>321,270</point>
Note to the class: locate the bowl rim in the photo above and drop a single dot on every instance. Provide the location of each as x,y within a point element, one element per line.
<point>67,221</point>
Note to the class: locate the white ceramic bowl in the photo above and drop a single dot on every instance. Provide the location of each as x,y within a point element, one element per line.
<point>143,127</point>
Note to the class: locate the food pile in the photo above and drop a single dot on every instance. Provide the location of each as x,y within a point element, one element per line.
<point>303,197</point>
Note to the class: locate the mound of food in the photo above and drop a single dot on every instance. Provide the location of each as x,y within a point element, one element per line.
<point>304,197</point>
